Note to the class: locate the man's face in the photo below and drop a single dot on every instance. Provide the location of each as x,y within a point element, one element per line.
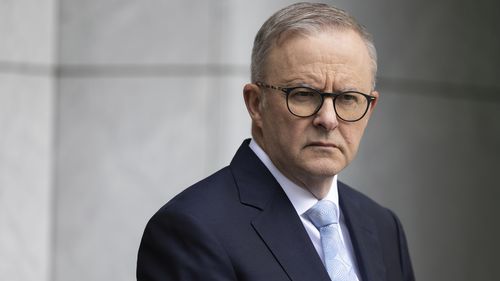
<point>308,150</point>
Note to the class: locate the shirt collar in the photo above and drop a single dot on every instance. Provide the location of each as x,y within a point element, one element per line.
<point>302,200</point>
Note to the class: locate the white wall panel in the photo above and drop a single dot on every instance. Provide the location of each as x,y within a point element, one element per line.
<point>135,32</point>
<point>126,146</point>
<point>27,30</point>
<point>230,123</point>
<point>26,116</point>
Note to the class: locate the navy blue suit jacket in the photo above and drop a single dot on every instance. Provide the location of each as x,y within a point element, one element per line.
<point>238,224</point>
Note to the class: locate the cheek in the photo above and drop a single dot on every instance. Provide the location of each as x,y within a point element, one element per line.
<point>282,124</point>
<point>352,135</point>
<point>287,136</point>
<point>289,133</point>
<point>276,128</point>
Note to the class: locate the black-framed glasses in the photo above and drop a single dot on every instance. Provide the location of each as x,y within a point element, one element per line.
<point>303,101</point>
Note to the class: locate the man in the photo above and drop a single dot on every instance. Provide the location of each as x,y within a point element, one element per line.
<point>277,211</point>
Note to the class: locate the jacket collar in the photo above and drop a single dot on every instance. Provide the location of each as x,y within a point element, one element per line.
<point>364,235</point>
<point>256,185</point>
<point>277,224</point>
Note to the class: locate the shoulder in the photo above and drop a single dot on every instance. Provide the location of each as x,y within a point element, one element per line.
<point>208,196</point>
<point>350,197</point>
<point>349,194</point>
<point>182,234</point>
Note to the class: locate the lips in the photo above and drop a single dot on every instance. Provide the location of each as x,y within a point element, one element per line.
<point>322,144</point>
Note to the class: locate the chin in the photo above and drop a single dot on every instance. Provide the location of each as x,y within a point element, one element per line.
<point>323,167</point>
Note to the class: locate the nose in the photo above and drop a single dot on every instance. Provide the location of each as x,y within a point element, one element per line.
<point>326,116</point>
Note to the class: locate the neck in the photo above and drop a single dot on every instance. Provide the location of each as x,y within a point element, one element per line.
<point>318,187</point>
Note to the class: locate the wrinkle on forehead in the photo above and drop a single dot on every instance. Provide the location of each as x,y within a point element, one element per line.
<point>332,60</point>
<point>329,77</point>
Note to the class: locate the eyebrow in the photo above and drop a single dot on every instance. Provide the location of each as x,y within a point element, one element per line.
<point>299,82</point>
<point>343,89</point>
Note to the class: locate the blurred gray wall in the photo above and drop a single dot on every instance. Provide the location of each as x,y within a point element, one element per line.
<point>109,108</point>
<point>27,48</point>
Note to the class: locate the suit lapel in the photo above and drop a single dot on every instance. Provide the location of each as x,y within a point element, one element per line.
<point>282,231</point>
<point>278,224</point>
<point>365,240</point>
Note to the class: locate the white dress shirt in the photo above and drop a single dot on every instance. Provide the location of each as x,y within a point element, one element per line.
<point>302,200</point>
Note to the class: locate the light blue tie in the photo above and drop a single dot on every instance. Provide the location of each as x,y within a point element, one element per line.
<point>324,215</point>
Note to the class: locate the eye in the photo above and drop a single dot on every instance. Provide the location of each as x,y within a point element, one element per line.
<point>303,95</point>
<point>350,98</point>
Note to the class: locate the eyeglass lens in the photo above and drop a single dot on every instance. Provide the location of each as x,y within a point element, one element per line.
<point>349,106</point>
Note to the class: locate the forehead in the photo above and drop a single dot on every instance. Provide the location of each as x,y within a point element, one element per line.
<point>333,58</point>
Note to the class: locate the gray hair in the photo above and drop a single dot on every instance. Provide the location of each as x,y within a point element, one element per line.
<point>304,19</point>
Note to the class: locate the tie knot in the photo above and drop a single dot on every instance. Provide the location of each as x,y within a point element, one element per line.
<point>323,213</point>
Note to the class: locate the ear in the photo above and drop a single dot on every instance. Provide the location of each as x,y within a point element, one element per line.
<point>373,104</point>
<point>253,100</point>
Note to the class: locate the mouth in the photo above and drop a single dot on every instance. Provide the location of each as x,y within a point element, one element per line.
<point>319,144</point>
